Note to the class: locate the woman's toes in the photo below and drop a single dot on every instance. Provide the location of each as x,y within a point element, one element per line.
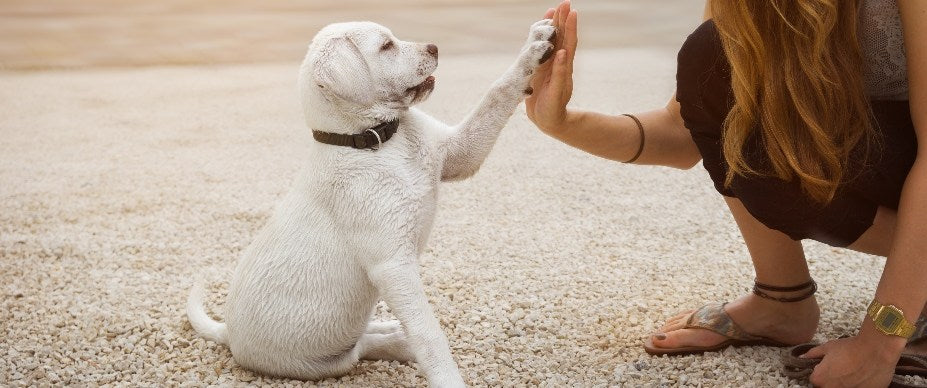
<point>684,314</point>
<point>685,338</point>
<point>674,324</point>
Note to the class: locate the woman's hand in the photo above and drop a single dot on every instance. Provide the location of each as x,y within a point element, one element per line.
<point>861,361</point>
<point>668,142</point>
<point>552,83</point>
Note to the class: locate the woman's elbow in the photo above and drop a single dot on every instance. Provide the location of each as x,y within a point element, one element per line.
<point>687,160</point>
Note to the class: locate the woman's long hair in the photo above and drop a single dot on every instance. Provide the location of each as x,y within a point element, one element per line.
<point>796,73</point>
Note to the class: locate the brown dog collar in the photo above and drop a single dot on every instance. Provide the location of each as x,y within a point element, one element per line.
<point>371,138</point>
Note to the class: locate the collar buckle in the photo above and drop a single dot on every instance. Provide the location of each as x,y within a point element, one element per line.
<point>377,134</point>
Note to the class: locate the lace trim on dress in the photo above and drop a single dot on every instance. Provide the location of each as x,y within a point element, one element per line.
<point>882,43</point>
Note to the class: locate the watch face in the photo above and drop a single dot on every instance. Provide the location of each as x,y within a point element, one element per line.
<point>889,320</point>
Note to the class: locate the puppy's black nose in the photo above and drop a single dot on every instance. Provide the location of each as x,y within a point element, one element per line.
<point>432,49</point>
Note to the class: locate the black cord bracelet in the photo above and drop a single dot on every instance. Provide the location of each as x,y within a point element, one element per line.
<point>640,148</point>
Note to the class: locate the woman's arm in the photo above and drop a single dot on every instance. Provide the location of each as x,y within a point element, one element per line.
<point>869,358</point>
<point>667,141</point>
<point>904,280</point>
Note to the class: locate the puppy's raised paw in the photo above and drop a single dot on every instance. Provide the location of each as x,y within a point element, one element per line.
<point>538,53</point>
<point>547,55</point>
<point>541,37</point>
<point>537,50</point>
<point>542,30</point>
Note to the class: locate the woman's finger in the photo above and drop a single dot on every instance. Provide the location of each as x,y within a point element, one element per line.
<point>555,20</point>
<point>570,39</point>
<point>564,10</point>
<point>543,71</point>
<point>559,73</point>
<point>815,352</point>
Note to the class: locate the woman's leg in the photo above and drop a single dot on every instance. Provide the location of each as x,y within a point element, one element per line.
<point>779,261</point>
<point>877,240</point>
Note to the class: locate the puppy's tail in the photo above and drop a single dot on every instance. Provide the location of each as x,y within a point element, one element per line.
<point>205,326</point>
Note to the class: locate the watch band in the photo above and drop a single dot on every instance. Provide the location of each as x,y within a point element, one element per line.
<point>890,320</point>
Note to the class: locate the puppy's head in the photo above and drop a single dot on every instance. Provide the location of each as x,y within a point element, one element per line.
<point>362,68</point>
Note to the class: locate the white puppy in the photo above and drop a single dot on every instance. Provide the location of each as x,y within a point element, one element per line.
<point>353,227</point>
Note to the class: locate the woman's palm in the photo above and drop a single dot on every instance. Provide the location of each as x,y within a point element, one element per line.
<point>552,83</point>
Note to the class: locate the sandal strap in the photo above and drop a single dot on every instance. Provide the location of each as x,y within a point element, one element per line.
<point>898,382</point>
<point>799,368</point>
<point>920,330</point>
<point>914,360</point>
<point>910,361</point>
<point>795,367</point>
<point>713,317</point>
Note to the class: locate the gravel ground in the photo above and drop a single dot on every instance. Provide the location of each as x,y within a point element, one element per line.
<point>548,268</point>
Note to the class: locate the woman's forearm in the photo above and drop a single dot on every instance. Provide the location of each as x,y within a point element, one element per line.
<point>667,142</point>
<point>905,275</point>
<point>904,280</point>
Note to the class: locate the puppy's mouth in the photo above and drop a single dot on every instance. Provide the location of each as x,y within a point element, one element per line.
<point>421,90</point>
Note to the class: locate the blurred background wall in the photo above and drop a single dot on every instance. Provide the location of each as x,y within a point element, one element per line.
<point>49,34</point>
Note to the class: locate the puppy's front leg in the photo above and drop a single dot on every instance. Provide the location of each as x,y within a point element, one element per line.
<point>401,287</point>
<point>474,137</point>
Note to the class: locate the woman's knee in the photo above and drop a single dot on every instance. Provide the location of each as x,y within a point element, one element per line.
<point>877,240</point>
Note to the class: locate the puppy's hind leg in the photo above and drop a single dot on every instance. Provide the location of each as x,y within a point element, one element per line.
<point>384,341</point>
<point>329,366</point>
<point>390,347</point>
<point>399,283</point>
<point>388,327</point>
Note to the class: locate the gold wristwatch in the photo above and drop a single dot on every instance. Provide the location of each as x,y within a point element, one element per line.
<point>890,320</point>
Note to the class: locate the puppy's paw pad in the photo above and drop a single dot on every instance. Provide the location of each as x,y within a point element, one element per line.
<point>547,54</point>
<point>545,33</point>
<point>539,52</point>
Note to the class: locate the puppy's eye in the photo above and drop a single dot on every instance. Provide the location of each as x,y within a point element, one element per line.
<point>386,46</point>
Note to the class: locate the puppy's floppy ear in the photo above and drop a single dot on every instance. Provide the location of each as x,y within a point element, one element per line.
<point>342,71</point>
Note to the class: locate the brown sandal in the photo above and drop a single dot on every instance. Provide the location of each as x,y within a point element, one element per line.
<point>912,364</point>
<point>908,365</point>
<point>713,318</point>
<point>799,368</point>
<point>796,367</point>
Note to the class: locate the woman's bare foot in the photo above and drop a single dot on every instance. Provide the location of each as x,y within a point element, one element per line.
<point>789,323</point>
